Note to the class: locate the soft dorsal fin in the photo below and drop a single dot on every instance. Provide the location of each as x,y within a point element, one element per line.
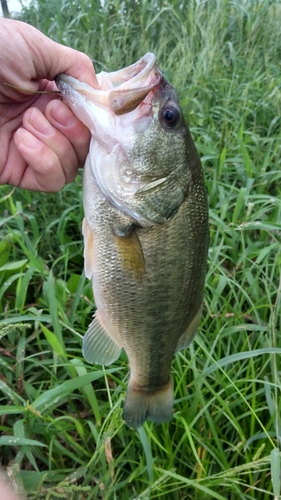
<point>89,262</point>
<point>98,346</point>
<point>187,337</point>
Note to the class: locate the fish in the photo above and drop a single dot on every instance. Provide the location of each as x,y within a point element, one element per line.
<point>146,230</point>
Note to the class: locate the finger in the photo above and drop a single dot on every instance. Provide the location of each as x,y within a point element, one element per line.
<point>62,118</point>
<point>44,171</point>
<point>77,64</point>
<point>12,164</point>
<point>37,124</point>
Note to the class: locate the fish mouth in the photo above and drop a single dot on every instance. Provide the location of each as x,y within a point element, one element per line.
<point>121,91</point>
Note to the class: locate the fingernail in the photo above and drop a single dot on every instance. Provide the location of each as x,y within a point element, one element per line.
<point>40,123</point>
<point>62,114</point>
<point>27,139</point>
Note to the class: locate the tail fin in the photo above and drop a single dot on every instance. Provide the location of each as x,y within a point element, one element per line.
<point>143,404</point>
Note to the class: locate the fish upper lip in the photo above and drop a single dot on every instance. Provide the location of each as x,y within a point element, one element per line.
<point>121,90</point>
<point>121,79</point>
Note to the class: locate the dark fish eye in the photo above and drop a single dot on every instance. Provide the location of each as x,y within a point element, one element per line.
<point>170,116</point>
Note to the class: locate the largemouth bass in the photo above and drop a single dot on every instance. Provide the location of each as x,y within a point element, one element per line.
<point>145,229</point>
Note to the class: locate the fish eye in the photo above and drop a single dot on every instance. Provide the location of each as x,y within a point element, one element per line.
<point>170,116</point>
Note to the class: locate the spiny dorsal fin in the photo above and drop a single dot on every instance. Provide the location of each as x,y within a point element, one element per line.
<point>98,346</point>
<point>131,254</point>
<point>89,263</point>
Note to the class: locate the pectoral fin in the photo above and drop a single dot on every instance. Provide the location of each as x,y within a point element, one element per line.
<point>89,263</point>
<point>98,346</point>
<point>187,337</point>
<point>131,254</point>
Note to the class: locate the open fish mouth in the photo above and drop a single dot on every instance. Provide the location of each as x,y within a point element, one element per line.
<point>121,91</point>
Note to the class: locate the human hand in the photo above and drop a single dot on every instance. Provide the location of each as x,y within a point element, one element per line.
<point>42,143</point>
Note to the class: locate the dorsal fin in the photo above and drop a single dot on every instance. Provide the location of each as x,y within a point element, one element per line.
<point>187,337</point>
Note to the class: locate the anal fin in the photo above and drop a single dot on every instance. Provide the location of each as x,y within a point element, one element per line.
<point>98,346</point>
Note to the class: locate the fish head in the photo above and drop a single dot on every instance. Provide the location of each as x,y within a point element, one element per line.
<point>138,154</point>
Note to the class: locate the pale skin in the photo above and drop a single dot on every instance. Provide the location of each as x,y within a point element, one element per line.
<point>42,143</point>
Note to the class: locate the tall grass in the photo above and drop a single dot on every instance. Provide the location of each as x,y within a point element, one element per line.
<point>62,434</point>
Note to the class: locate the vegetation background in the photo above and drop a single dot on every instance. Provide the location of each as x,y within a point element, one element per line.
<point>62,434</point>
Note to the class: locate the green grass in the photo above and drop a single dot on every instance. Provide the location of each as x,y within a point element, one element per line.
<point>61,428</point>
